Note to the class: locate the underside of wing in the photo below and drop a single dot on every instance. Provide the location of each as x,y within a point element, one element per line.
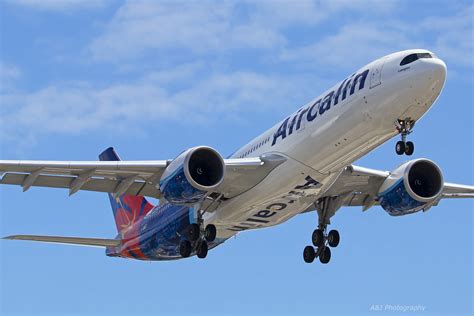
<point>360,186</point>
<point>119,177</point>
<point>127,177</point>
<point>244,174</point>
<point>91,242</point>
<point>453,190</point>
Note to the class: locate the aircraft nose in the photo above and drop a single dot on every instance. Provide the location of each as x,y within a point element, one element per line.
<point>439,69</point>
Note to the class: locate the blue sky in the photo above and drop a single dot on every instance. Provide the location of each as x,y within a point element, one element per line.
<point>153,78</point>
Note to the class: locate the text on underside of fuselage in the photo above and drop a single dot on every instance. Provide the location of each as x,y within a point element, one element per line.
<point>321,106</point>
<point>264,216</point>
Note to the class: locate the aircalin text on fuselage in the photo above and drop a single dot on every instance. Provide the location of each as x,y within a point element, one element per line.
<point>321,106</point>
<point>302,164</point>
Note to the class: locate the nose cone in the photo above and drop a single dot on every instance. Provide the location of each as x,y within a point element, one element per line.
<point>439,69</point>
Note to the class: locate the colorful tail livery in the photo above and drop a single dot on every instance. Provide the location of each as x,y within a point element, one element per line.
<point>128,209</point>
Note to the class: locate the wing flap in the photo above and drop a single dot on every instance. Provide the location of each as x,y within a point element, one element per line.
<point>127,177</point>
<point>94,184</point>
<point>92,242</point>
<point>146,166</point>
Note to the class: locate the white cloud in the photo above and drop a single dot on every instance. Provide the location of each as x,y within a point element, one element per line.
<point>454,36</point>
<point>210,86</point>
<point>82,108</point>
<point>354,44</point>
<point>9,74</point>
<point>141,27</point>
<point>359,42</point>
<point>59,5</point>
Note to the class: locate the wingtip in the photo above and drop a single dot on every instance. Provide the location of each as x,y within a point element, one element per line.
<point>15,237</point>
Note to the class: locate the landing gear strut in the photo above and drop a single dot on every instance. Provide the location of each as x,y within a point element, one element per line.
<point>321,240</point>
<point>197,238</point>
<point>404,127</point>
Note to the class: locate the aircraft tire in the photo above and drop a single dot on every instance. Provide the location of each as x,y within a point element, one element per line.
<point>308,254</point>
<point>325,255</point>
<point>318,237</point>
<point>193,232</point>
<point>400,147</point>
<point>185,248</point>
<point>202,250</point>
<point>333,238</point>
<point>409,148</point>
<point>210,233</point>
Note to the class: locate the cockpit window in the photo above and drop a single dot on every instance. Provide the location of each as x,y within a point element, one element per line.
<point>412,57</point>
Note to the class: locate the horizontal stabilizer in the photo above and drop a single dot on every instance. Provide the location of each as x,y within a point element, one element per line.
<point>93,242</point>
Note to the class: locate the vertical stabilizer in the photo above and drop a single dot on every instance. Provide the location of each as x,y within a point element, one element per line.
<point>127,209</point>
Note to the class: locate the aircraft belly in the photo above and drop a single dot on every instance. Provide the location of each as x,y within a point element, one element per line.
<point>287,191</point>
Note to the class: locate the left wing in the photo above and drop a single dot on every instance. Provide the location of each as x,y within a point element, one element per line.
<point>359,187</point>
<point>453,190</point>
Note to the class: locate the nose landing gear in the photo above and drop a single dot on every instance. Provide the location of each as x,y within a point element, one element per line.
<point>404,127</point>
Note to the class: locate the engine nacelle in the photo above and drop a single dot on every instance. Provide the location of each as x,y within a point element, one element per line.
<point>411,187</point>
<point>191,175</point>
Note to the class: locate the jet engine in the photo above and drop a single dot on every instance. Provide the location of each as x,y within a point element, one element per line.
<point>191,175</point>
<point>413,186</point>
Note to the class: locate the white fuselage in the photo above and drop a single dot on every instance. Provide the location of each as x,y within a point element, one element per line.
<point>322,138</point>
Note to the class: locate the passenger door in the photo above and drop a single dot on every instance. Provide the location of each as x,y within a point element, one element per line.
<point>376,74</point>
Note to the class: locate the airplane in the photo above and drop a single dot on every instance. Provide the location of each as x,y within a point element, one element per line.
<point>302,164</point>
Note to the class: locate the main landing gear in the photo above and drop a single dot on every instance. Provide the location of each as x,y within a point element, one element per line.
<point>197,239</point>
<point>404,127</point>
<point>322,241</point>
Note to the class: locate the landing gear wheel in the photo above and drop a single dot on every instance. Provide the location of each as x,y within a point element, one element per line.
<point>333,238</point>
<point>405,128</point>
<point>325,255</point>
<point>318,237</point>
<point>202,250</point>
<point>185,248</point>
<point>193,232</point>
<point>409,148</point>
<point>308,254</point>
<point>210,233</point>
<point>400,147</point>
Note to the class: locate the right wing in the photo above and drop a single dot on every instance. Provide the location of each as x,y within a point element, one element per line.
<point>127,177</point>
<point>130,177</point>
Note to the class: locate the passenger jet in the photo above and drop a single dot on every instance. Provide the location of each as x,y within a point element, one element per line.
<point>302,164</point>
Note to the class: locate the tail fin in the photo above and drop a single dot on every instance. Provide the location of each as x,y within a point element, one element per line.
<point>127,209</point>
